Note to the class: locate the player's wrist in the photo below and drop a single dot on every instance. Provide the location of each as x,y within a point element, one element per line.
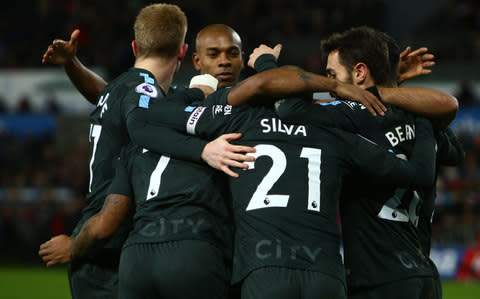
<point>265,62</point>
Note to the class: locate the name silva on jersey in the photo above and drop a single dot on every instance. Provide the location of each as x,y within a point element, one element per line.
<point>274,125</point>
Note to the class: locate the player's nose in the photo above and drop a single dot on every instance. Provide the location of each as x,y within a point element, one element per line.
<point>224,61</point>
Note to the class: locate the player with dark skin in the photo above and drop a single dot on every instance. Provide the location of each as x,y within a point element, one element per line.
<point>221,56</point>
<point>218,52</point>
<point>49,251</point>
<point>155,65</point>
<point>99,227</point>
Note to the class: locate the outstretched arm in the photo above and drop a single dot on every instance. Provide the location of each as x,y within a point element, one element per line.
<point>288,81</point>
<point>440,107</point>
<point>63,53</point>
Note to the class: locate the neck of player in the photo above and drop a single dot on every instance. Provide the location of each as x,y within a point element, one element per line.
<point>163,70</point>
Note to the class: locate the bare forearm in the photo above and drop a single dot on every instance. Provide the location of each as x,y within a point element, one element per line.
<point>98,229</point>
<point>86,241</point>
<point>290,79</point>
<point>438,106</point>
<point>88,83</point>
<point>279,82</point>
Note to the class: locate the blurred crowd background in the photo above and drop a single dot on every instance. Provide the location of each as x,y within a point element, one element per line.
<point>44,173</point>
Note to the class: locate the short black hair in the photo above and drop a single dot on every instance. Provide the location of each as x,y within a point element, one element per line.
<point>365,44</point>
<point>393,55</point>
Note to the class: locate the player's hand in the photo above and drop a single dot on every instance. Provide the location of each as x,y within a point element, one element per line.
<point>414,64</point>
<point>56,250</point>
<point>220,154</point>
<point>207,90</point>
<point>264,49</point>
<point>60,51</point>
<point>367,99</point>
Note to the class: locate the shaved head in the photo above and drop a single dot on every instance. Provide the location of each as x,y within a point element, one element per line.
<point>217,29</point>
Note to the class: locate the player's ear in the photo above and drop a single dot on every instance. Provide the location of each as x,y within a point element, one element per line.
<point>182,52</point>
<point>242,53</point>
<point>134,48</point>
<point>196,61</point>
<point>360,73</point>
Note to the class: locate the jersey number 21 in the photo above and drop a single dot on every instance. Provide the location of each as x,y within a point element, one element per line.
<point>261,199</point>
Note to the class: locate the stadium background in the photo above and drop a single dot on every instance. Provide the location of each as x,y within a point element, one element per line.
<point>44,122</point>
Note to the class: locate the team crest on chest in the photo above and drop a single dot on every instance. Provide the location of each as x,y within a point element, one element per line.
<point>147,89</point>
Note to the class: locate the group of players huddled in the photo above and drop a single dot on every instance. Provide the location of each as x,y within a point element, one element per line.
<point>232,189</point>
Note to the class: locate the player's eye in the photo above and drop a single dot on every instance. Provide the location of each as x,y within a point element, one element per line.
<point>234,53</point>
<point>212,54</point>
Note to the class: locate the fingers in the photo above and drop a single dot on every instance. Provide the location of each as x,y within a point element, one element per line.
<point>422,53</point>
<point>74,36</point>
<point>405,52</point>
<point>234,163</point>
<point>428,56</point>
<point>241,149</point>
<point>374,105</point>
<point>232,136</point>
<point>47,54</point>
<point>276,50</point>
<point>238,157</point>
<point>428,64</point>
<point>370,108</point>
<point>46,258</point>
<point>426,72</point>
<point>229,172</point>
<point>419,51</point>
<point>43,251</point>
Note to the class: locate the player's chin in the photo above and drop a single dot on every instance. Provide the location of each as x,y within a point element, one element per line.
<point>226,83</point>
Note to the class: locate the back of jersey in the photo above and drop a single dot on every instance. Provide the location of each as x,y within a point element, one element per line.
<point>108,133</point>
<point>174,199</point>
<point>285,204</point>
<point>379,221</point>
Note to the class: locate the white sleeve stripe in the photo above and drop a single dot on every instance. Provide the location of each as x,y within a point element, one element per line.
<point>193,119</point>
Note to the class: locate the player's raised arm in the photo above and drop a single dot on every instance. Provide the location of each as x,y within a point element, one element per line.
<point>440,107</point>
<point>289,81</point>
<point>413,64</point>
<point>271,56</point>
<point>63,53</point>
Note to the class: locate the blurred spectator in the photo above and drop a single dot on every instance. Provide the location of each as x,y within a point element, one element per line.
<point>470,264</point>
<point>466,95</point>
<point>51,103</point>
<point>23,105</point>
<point>3,108</point>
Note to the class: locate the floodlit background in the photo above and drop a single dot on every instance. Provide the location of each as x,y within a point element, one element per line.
<point>44,122</point>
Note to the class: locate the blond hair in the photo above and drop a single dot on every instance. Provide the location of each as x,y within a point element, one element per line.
<point>160,30</point>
